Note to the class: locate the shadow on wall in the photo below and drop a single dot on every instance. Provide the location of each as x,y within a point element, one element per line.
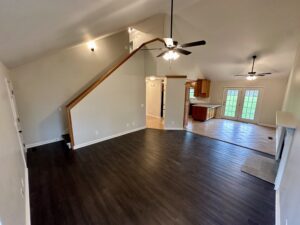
<point>94,79</point>
<point>54,123</point>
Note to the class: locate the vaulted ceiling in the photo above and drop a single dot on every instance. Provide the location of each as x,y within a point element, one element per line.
<point>31,28</point>
<point>234,30</point>
<point>237,29</point>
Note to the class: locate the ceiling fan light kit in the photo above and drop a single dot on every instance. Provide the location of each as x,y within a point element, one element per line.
<point>251,77</point>
<point>171,55</point>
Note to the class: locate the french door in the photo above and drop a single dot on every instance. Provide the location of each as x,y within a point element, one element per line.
<point>241,104</point>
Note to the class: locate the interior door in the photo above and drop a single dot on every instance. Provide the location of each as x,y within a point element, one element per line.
<point>231,101</point>
<point>16,117</point>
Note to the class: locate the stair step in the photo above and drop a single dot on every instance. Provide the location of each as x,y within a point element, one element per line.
<point>67,140</point>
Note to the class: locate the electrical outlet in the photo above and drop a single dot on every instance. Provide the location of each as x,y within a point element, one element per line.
<point>142,105</point>
<point>97,132</point>
<point>127,124</point>
<point>286,221</point>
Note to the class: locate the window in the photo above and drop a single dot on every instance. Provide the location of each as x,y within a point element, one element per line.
<point>192,92</point>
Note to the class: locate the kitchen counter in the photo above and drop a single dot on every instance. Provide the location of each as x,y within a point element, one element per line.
<point>203,112</point>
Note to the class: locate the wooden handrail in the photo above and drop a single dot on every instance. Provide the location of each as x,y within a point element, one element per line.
<point>90,88</point>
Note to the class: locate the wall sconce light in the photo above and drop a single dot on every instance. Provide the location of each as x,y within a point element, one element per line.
<point>130,29</point>
<point>91,45</point>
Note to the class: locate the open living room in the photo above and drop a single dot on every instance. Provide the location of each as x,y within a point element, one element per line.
<point>150,112</point>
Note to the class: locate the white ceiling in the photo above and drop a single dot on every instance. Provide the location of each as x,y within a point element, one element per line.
<point>31,28</point>
<point>233,29</point>
<point>237,29</point>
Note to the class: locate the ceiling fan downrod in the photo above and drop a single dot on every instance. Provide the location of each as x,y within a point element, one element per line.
<point>171,30</point>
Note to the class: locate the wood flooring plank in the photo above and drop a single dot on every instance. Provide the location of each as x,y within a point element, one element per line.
<point>145,178</point>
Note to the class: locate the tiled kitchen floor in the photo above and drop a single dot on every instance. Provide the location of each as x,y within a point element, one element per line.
<point>239,133</point>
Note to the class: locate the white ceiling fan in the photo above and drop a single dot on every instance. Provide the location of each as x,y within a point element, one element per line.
<point>252,75</point>
<point>172,49</point>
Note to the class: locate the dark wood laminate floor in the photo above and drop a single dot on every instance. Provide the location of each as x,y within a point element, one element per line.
<point>146,178</point>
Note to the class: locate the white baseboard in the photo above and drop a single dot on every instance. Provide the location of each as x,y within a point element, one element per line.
<point>174,128</point>
<point>107,138</point>
<point>27,198</point>
<point>266,125</point>
<point>277,209</point>
<point>43,143</point>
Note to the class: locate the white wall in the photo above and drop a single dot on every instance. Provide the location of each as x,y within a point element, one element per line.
<point>12,165</point>
<point>289,193</point>
<point>292,98</point>
<point>146,30</point>
<point>43,87</point>
<point>272,96</point>
<point>290,185</point>
<point>153,97</point>
<point>115,107</point>
<point>174,101</point>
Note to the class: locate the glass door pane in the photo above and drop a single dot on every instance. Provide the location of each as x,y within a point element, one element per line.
<point>231,102</point>
<point>250,104</point>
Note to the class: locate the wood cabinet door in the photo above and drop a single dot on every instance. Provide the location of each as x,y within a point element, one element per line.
<point>202,88</point>
<point>205,88</point>
<point>197,88</point>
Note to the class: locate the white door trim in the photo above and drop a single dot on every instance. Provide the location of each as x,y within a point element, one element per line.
<point>239,108</point>
<point>16,118</point>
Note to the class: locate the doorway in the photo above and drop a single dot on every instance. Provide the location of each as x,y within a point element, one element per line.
<point>155,102</point>
<point>241,104</point>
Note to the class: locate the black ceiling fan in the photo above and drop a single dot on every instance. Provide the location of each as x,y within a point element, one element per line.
<point>172,46</point>
<point>252,73</point>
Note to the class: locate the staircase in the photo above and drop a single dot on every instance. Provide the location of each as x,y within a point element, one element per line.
<point>69,138</point>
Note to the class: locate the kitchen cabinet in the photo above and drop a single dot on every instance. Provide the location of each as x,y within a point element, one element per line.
<point>204,112</point>
<point>202,88</point>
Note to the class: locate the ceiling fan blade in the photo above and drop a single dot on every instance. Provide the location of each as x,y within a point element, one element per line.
<point>182,51</point>
<point>240,75</point>
<point>161,54</point>
<point>193,44</point>
<point>263,74</point>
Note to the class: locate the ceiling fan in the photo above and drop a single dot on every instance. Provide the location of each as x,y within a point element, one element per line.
<point>252,75</point>
<point>172,49</point>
